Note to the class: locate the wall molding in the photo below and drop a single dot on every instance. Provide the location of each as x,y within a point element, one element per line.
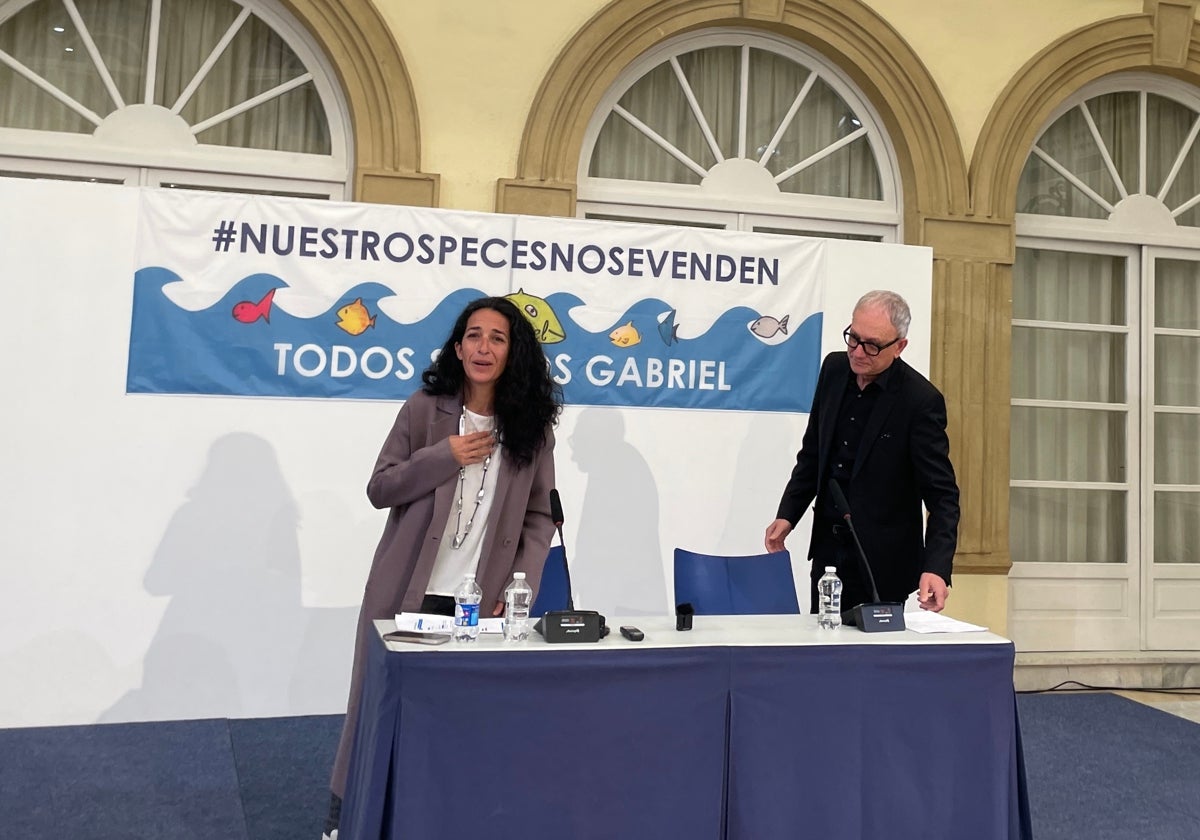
<point>383,107</point>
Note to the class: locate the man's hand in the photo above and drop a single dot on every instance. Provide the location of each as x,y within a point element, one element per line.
<point>932,592</point>
<point>777,532</point>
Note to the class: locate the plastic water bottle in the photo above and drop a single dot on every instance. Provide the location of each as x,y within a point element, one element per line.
<point>829,593</point>
<point>466,609</point>
<point>518,598</point>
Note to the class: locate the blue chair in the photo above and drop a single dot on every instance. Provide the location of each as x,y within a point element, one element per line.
<point>552,591</point>
<point>758,584</point>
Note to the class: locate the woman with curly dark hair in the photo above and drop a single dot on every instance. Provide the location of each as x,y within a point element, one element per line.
<point>526,400</point>
<point>467,472</point>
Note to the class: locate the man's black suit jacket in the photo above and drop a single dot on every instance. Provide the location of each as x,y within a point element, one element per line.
<point>903,461</point>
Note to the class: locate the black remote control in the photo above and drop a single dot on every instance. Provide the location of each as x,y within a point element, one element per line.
<point>632,633</point>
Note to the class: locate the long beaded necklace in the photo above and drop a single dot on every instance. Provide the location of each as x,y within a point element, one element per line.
<point>459,539</point>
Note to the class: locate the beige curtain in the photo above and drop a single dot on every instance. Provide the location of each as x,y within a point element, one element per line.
<point>1177,434</point>
<point>1068,444</point>
<point>714,76</point>
<point>43,38</point>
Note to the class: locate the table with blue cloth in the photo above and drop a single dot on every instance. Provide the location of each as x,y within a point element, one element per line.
<point>745,728</point>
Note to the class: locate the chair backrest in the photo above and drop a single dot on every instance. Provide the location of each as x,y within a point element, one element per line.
<point>757,584</point>
<point>552,591</point>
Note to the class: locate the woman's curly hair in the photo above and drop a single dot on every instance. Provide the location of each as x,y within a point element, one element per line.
<point>528,400</point>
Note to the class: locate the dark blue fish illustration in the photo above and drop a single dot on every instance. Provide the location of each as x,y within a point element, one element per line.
<point>667,328</point>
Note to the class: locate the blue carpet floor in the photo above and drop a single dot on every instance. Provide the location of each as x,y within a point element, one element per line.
<point>1103,767</point>
<point>1099,767</point>
<point>180,780</point>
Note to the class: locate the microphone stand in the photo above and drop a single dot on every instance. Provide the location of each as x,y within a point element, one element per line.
<point>876,616</point>
<point>569,625</point>
<point>566,566</point>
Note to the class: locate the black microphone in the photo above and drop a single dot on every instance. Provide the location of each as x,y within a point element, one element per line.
<point>876,616</point>
<point>569,625</point>
<point>556,516</point>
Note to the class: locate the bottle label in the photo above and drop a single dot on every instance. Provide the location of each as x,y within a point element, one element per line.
<point>466,615</point>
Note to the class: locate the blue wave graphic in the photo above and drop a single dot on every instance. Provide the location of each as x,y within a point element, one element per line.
<point>176,351</point>
<point>725,367</point>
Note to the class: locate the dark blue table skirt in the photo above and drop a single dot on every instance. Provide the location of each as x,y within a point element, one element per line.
<point>849,742</point>
<point>540,744</point>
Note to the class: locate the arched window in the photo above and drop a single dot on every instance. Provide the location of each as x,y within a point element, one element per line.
<point>1105,471</point>
<point>214,94</point>
<point>1127,157</point>
<point>742,131</point>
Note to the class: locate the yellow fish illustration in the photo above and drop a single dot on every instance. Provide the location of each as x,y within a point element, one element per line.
<point>625,335</point>
<point>535,309</point>
<point>354,318</point>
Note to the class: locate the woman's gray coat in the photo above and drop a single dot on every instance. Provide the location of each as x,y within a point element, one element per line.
<point>416,476</point>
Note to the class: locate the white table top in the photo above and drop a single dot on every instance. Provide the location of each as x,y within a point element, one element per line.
<point>708,631</point>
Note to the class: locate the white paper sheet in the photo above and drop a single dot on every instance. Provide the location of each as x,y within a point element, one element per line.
<point>924,621</point>
<point>427,623</point>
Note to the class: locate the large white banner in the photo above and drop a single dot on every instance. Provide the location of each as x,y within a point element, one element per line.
<point>257,296</point>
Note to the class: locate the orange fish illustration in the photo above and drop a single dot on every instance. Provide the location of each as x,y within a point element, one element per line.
<point>248,312</point>
<point>625,335</point>
<point>354,318</point>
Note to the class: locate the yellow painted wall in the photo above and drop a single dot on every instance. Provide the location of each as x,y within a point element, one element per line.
<point>980,599</point>
<point>476,66</point>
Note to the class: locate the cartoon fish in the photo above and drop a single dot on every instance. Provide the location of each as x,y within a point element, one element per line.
<point>625,335</point>
<point>248,312</point>
<point>767,327</point>
<point>539,313</point>
<point>354,318</point>
<point>667,328</point>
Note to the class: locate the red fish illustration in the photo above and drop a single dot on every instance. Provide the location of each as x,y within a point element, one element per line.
<point>248,312</point>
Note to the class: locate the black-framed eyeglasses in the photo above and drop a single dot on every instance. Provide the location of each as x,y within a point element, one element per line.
<point>869,347</point>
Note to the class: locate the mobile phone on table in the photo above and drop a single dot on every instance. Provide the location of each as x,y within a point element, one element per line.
<point>416,637</point>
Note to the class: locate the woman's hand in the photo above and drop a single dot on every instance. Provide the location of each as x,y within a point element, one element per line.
<point>472,448</point>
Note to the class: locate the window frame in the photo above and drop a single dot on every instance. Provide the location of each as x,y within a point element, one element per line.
<point>1077,228</point>
<point>46,153</point>
<point>1131,407</point>
<point>884,217</point>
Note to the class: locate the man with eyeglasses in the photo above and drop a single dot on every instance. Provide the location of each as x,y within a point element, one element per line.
<point>879,429</point>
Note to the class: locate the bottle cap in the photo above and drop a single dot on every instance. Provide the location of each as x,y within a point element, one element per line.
<point>518,576</point>
<point>831,568</point>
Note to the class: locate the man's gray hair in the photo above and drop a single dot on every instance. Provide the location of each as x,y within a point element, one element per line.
<point>895,306</point>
